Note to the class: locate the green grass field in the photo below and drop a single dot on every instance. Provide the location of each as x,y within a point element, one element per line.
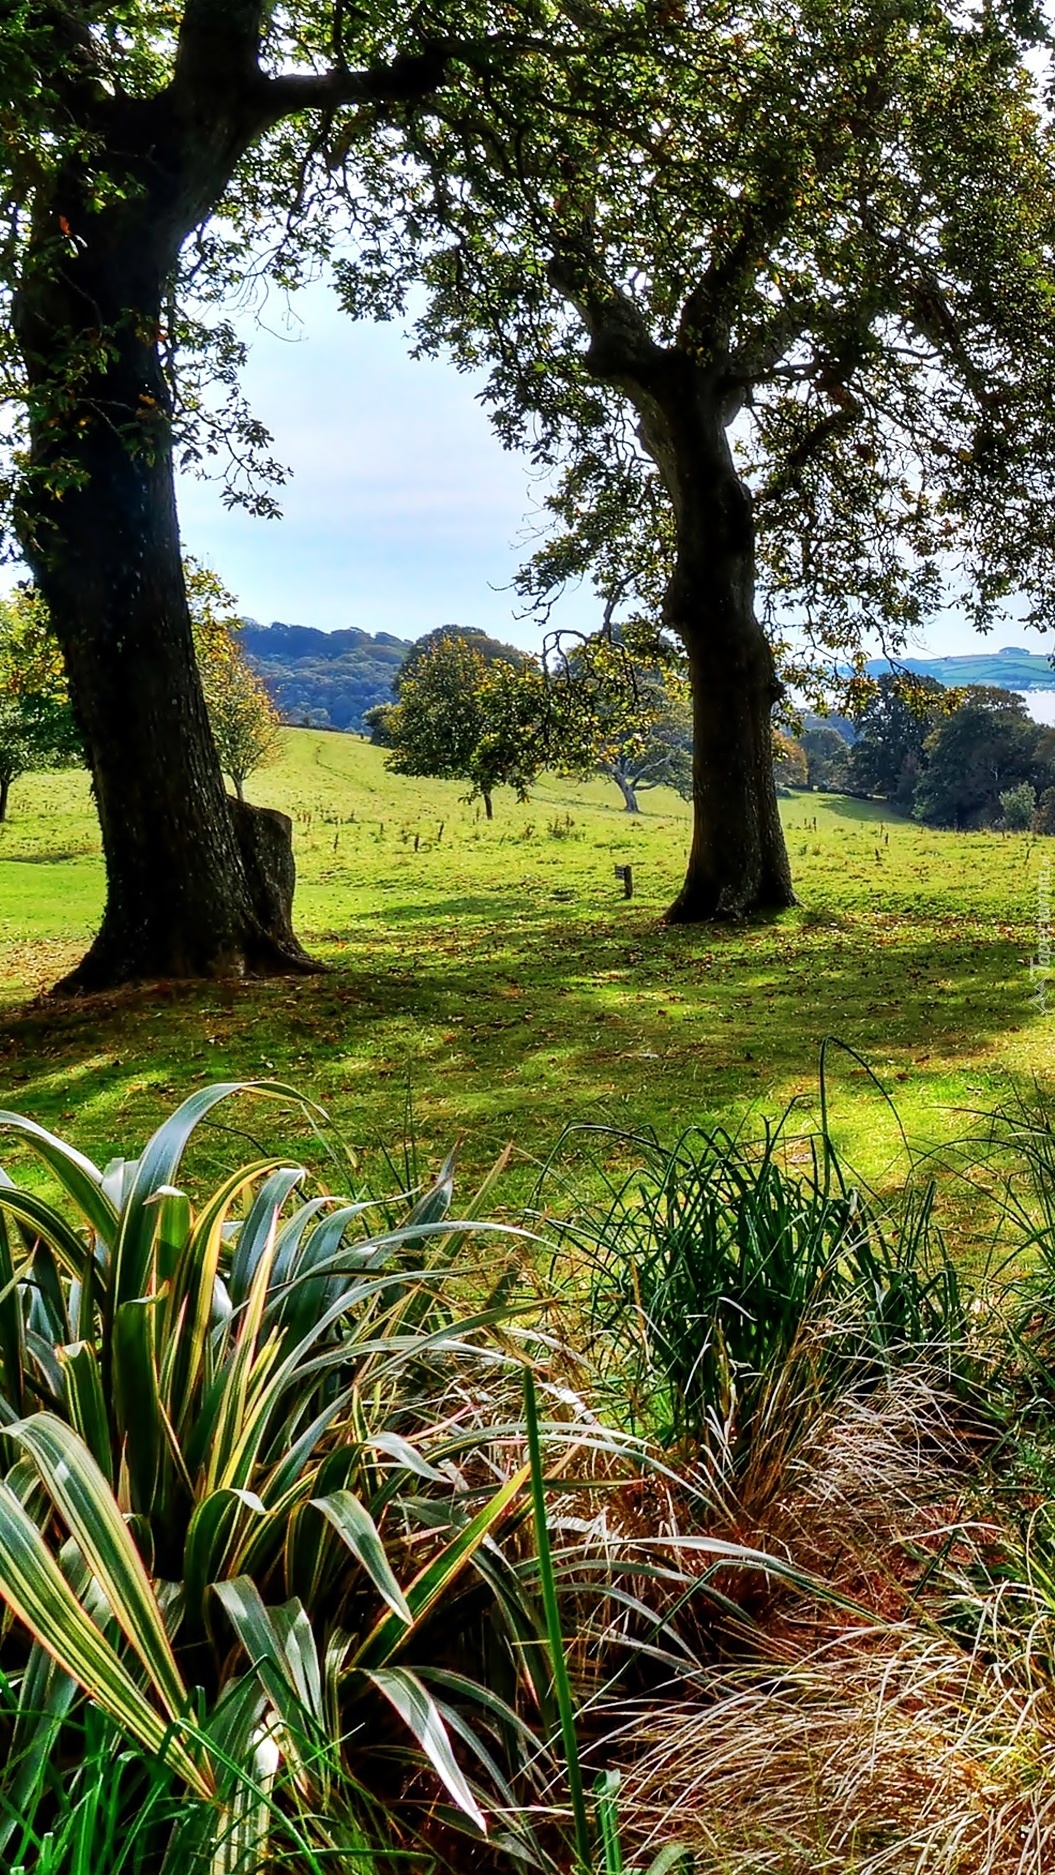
<point>493,979</point>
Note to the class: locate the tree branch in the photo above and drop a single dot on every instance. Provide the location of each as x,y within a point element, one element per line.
<point>411,77</point>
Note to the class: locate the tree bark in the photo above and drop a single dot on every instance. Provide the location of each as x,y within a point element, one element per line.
<point>105,552</point>
<point>5,789</point>
<point>488,808</point>
<point>630,800</point>
<point>738,862</point>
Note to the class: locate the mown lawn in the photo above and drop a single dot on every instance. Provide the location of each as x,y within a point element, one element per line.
<point>489,982</point>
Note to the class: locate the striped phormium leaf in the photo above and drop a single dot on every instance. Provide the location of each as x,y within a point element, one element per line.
<point>255,1416</point>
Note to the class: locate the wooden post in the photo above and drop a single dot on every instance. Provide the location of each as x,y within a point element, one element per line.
<point>626,874</point>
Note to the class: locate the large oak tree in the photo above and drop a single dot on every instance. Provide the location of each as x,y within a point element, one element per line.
<point>150,154</point>
<point>772,287</point>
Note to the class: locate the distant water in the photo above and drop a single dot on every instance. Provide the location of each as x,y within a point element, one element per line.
<point>1040,704</point>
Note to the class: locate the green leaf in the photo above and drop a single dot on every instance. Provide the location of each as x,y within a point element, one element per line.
<point>84,1395</point>
<point>257,1230</point>
<point>12,1349</point>
<point>80,1179</point>
<point>44,1221</point>
<point>157,1167</point>
<point>281,1647</point>
<point>36,1591</point>
<point>84,1499</point>
<point>356,1527</point>
<point>418,1710</point>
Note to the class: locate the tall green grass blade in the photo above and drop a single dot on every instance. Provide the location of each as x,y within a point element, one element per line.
<point>606,1791</point>
<point>554,1631</point>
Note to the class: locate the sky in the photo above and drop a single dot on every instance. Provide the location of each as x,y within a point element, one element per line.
<point>403,510</point>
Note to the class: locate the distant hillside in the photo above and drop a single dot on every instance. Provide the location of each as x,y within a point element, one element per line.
<point>1010,669</point>
<point>325,679</point>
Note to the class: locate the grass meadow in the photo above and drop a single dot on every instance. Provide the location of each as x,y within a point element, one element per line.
<point>489,982</point>
<point>705,1527</point>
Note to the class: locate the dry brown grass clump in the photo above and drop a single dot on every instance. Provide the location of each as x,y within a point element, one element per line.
<point>890,1723</point>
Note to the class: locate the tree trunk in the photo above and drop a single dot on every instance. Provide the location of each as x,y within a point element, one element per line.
<point>686,395</point>
<point>626,790</point>
<point>5,789</point>
<point>183,895</point>
<point>738,862</point>
<point>488,808</point>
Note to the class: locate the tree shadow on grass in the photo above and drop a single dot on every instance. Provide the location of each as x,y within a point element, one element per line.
<point>514,1030</point>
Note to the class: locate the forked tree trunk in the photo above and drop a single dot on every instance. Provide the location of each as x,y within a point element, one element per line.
<point>184,873</point>
<point>738,862</point>
<point>630,800</point>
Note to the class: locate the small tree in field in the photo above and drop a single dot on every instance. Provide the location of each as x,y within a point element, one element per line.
<point>462,719</point>
<point>37,729</point>
<point>790,768</point>
<point>619,707</point>
<point>244,722</point>
<point>1018,806</point>
<point>657,755</point>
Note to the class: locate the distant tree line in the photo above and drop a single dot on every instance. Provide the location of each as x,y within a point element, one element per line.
<point>323,680</point>
<point>963,759</point>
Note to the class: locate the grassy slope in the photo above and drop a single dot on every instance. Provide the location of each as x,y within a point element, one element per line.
<point>499,971</point>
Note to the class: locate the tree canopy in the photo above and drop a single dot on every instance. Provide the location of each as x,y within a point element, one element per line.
<point>153,163</point>
<point>892,728</point>
<point>986,748</point>
<point>728,280</point>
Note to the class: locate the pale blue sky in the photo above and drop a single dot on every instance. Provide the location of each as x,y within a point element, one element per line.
<point>403,511</point>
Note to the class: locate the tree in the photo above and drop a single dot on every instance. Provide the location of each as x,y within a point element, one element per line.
<point>775,281</point>
<point>658,754</point>
<point>459,718</point>
<point>987,747</point>
<point>1044,816</point>
<point>1018,805</point>
<point>36,724</point>
<point>892,728</point>
<point>615,716</point>
<point>245,724</point>
<point>378,720</point>
<point>827,758</point>
<point>790,769</point>
<point>150,155</point>
<point>492,650</point>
